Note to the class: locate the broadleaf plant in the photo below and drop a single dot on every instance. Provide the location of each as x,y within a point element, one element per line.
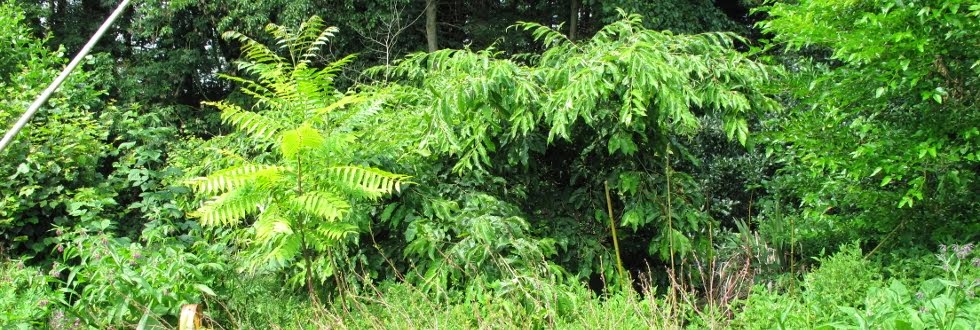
<point>616,107</point>
<point>296,200</point>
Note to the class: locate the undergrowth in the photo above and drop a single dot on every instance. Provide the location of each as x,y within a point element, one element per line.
<point>842,291</point>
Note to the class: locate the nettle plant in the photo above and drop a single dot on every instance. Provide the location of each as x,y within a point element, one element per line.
<point>296,199</point>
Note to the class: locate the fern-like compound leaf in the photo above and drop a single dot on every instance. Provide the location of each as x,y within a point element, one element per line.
<point>371,182</point>
<point>270,224</point>
<point>230,208</point>
<point>255,125</point>
<point>233,178</point>
<point>298,139</point>
<point>322,204</point>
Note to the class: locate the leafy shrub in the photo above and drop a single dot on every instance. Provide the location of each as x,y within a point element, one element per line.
<point>58,154</point>
<point>832,300</point>
<point>296,201</point>
<point>947,301</point>
<point>262,303</point>
<point>842,279</point>
<point>26,295</point>
<point>882,136</point>
<point>766,309</point>
<point>622,310</point>
<point>484,239</point>
<point>555,127</point>
<point>398,305</point>
<point>111,281</point>
<point>403,306</point>
<point>913,264</point>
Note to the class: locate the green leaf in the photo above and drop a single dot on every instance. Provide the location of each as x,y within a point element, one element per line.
<point>371,182</point>
<point>234,178</point>
<point>323,204</point>
<point>142,322</point>
<point>205,289</point>
<point>299,139</point>
<point>743,131</point>
<point>622,142</point>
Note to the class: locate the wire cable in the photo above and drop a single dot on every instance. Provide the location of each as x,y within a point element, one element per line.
<point>41,99</point>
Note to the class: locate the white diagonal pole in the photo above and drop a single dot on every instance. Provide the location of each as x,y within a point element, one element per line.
<point>41,99</point>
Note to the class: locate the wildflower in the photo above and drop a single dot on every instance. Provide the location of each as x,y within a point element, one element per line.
<point>942,248</point>
<point>20,265</point>
<point>54,272</point>
<point>919,295</point>
<point>57,318</point>
<point>137,255</point>
<point>976,262</point>
<point>42,302</point>
<point>61,248</point>
<point>963,251</point>
<point>59,232</point>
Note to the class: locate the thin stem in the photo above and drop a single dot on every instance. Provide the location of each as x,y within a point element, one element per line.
<point>670,225</point>
<point>887,238</point>
<point>670,218</point>
<point>792,246</point>
<point>307,258</point>
<point>612,227</point>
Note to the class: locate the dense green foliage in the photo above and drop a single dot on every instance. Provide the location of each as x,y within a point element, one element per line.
<point>815,167</point>
<point>883,131</point>
<point>561,123</point>
<point>299,197</point>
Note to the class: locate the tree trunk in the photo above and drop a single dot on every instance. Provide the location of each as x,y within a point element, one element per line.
<point>430,24</point>
<point>573,20</point>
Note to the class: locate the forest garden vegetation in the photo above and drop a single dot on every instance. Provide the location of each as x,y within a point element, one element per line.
<point>817,167</point>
